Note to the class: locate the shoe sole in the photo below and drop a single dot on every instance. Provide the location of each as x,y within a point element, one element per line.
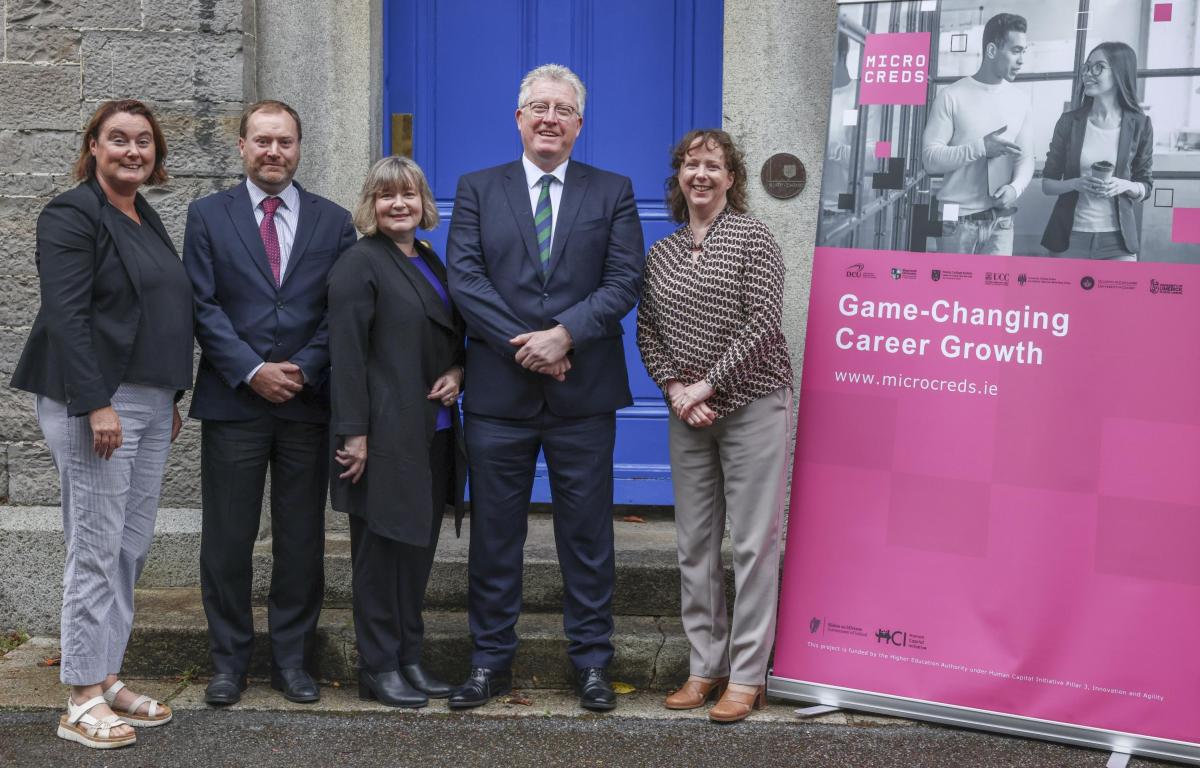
<point>598,707</point>
<point>70,734</point>
<point>136,723</point>
<point>474,704</point>
<point>297,699</point>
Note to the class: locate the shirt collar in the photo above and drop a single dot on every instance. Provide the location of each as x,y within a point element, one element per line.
<point>290,195</point>
<point>533,174</point>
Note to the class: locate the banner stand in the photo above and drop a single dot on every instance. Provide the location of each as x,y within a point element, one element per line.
<point>805,712</point>
<point>1120,744</point>
<point>1117,760</point>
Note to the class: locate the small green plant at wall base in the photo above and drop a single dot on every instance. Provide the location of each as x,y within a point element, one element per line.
<point>11,640</point>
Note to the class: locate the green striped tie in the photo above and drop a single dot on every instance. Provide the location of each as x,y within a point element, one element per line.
<point>542,220</point>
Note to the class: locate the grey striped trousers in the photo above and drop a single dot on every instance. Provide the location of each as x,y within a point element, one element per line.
<point>108,521</point>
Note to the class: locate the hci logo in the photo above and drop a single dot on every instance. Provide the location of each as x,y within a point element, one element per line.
<point>936,275</point>
<point>814,625</point>
<point>892,637</point>
<point>1087,283</point>
<point>896,273</point>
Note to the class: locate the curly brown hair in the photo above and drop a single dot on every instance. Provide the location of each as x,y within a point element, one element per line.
<point>734,162</point>
<point>85,165</point>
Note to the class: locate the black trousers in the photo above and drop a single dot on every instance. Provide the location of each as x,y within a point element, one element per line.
<point>579,457</point>
<point>390,577</point>
<point>234,457</point>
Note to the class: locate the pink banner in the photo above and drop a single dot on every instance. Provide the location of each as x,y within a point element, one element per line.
<point>996,494</point>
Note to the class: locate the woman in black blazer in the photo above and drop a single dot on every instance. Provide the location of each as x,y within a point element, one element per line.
<point>1100,162</point>
<point>109,355</point>
<point>397,352</point>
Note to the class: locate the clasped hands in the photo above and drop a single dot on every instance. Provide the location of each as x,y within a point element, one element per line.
<point>688,402</point>
<point>544,351</point>
<point>278,382</point>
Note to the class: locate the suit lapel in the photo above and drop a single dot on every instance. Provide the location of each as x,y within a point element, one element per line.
<point>1077,131</point>
<point>568,208</point>
<point>1124,141</point>
<point>307,220</point>
<point>241,213</point>
<point>117,231</point>
<point>435,308</point>
<point>518,200</point>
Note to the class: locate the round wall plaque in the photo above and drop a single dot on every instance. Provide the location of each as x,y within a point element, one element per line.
<point>783,176</point>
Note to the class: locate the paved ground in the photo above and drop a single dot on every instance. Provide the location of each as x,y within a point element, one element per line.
<point>269,739</point>
<point>534,728</point>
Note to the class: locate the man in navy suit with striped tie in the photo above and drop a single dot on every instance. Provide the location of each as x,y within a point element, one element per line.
<point>544,258</point>
<point>258,255</point>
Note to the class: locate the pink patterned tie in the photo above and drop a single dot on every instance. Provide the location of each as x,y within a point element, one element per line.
<point>269,237</point>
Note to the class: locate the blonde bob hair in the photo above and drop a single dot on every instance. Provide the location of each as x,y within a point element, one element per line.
<point>394,174</point>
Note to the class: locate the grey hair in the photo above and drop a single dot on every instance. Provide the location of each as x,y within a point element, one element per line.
<point>552,72</point>
<point>394,174</point>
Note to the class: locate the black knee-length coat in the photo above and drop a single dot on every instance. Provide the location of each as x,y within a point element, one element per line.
<point>390,337</point>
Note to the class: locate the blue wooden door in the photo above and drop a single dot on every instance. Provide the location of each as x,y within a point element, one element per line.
<point>653,71</point>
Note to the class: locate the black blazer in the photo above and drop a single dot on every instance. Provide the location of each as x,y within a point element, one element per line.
<point>391,336</point>
<point>1135,161</point>
<point>593,280</point>
<point>81,341</point>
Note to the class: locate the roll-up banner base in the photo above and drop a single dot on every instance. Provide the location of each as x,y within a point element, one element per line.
<point>964,717</point>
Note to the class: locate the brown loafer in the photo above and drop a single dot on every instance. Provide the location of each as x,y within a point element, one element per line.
<point>736,705</point>
<point>695,693</point>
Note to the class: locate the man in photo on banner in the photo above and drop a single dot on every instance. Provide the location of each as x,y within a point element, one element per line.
<point>979,136</point>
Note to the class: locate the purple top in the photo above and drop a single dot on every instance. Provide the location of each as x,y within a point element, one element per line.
<point>443,417</point>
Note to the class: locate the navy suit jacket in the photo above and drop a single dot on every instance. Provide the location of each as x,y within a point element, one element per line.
<point>594,278</point>
<point>243,318</point>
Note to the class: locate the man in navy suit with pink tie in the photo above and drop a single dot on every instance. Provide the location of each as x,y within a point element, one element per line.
<point>544,259</point>
<point>258,255</point>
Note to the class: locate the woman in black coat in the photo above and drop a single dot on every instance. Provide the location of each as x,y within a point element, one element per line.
<point>397,353</point>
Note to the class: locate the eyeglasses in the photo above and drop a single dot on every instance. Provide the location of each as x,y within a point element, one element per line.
<point>540,109</point>
<point>1096,68</point>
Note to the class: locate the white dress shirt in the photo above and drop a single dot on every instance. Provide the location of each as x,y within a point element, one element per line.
<point>286,217</point>
<point>533,177</point>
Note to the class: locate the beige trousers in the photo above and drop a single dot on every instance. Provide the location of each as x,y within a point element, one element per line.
<point>734,468</point>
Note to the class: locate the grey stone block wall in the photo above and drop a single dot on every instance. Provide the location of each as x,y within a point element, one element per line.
<point>193,61</point>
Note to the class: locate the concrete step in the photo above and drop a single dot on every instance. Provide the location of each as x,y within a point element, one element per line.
<point>170,638</point>
<point>647,569</point>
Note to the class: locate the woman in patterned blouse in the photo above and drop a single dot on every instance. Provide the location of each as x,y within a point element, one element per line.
<point>710,335</point>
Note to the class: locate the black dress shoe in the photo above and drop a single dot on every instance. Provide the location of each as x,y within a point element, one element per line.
<point>481,685</point>
<point>595,691</point>
<point>424,682</point>
<point>224,689</point>
<point>296,684</point>
<point>389,688</point>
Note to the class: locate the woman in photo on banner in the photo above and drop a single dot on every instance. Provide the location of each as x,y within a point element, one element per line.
<point>1100,162</point>
<point>710,335</point>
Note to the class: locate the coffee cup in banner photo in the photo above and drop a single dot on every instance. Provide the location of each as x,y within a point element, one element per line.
<point>1102,170</point>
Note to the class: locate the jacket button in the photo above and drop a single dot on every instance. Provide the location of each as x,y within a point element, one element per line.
<point>545,295</point>
<point>279,343</point>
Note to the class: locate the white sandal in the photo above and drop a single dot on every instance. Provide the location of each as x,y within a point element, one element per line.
<point>78,726</point>
<point>156,714</point>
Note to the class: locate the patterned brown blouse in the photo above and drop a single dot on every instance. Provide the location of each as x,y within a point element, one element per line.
<point>718,319</point>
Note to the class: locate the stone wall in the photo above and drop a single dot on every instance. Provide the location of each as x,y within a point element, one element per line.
<point>193,61</point>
